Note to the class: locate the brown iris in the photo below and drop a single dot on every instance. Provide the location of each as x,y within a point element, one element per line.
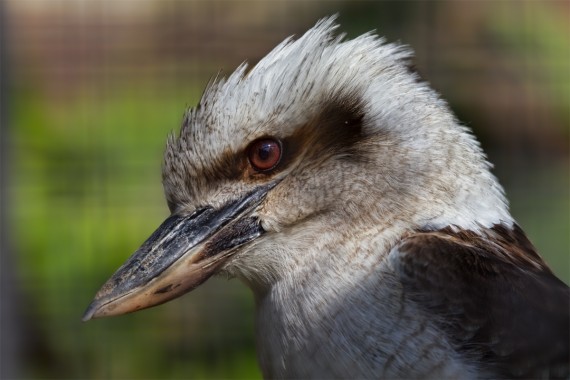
<point>264,154</point>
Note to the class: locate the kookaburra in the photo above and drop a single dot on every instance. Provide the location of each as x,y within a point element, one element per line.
<point>363,216</point>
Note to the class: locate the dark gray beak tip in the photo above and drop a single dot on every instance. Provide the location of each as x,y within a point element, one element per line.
<point>90,311</point>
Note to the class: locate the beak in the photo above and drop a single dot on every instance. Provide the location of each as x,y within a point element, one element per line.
<point>179,256</point>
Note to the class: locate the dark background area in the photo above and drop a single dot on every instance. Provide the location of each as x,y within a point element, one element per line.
<point>90,89</point>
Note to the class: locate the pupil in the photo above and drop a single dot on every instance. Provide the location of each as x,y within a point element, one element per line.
<point>265,152</point>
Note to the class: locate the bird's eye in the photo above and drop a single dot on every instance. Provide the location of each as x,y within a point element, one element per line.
<point>264,154</point>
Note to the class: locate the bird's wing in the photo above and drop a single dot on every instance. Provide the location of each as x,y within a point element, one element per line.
<point>493,296</point>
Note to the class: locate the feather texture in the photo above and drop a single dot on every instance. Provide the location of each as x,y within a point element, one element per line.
<point>388,248</point>
<point>493,295</point>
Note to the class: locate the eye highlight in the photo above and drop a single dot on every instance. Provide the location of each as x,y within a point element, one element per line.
<point>264,154</point>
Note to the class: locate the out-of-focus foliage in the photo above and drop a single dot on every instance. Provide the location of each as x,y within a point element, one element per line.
<point>94,91</point>
<point>545,49</point>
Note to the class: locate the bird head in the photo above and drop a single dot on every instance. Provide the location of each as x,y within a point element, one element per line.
<point>323,140</point>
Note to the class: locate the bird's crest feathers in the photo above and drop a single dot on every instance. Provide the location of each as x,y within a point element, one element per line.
<point>299,78</point>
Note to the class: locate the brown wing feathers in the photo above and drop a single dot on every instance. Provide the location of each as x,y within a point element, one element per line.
<point>494,296</point>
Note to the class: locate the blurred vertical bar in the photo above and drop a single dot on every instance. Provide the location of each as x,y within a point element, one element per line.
<point>10,344</point>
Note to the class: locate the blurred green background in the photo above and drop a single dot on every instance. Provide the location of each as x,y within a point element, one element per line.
<point>90,89</point>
